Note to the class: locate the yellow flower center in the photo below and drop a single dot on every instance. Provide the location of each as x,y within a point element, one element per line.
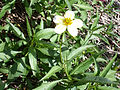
<point>67,21</point>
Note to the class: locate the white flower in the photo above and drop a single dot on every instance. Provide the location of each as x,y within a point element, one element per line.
<point>67,22</point>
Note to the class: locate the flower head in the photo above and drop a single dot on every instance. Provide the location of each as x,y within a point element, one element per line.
<point>67,22</point>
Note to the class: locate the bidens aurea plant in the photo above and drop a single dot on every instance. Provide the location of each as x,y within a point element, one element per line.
<point>67,22</point>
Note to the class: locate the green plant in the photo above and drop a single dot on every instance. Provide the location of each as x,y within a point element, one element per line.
<point>35,57</point>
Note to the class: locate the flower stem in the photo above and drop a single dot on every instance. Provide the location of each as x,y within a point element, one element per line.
<point>63,62</point>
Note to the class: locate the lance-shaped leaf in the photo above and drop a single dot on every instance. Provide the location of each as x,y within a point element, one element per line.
<point>48,85</point>
<point>93,79</point>
<point>108,67</point>
<point>16,30</point>
<point>82,6</point>
<point>106,88</point>
<point>33,60</point>
<point>52,71</point>
<point>78,51</point>
<point>28,28</point>
<point>82,67</point>
<point>45,33</point>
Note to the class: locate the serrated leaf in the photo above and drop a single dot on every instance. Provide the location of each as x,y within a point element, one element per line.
<point>108,67</point>
<point>52,71</point>
<point>82,67</point>
<point>6,8</point>
<point>16,30</point>
<point>77,52</point>
<point>45,33</point>
<point>33,60</point>
<point>48,85</point>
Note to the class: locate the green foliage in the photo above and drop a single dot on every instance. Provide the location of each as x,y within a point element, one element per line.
<point>33,60</point>
<point>34,57</point>
<point>48,85</point>
<point>6,8</point>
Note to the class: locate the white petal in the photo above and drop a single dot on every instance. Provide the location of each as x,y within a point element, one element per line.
<point>72,30</point>
<point>77,23</point>
<point>69,14</point>
<point>58,19</point>
<point>60,28</point>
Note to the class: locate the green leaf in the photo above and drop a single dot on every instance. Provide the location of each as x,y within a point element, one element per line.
<point>33,60</point>
<point>16,30</point>
<point>73,1</point>
<point>6,8</point>
<point>48,85</point>
<point>97,68</point>
<point>2,85</point>
<point>93,79</point>
<point>85,7</point>
<point>6,27</point>
<point>94,2</point>
<point>82,87</point>
<point>29,11</point>
<point>54,38</point>
<point>95,21</point>
<point>4,70</point>
<point>33,2</point>
<point>28,28</point>
<point>2,46</point>
<point>18,68</point>
<point>77,52</point>
<point>47,51</point>
<point>107,88</point>
<point>111,75</point>
<point>108,67</point>
<point>42,24</point>
<point>28,8</point>
<point>83,15</point>
<point>68,4</point>
<point>101,60</point>
<point>45,33</point>
<point>110,4</point>
<point>102,37</point>
<point>82,67</point>
<point>52,71</point>
<point>5,56</point>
